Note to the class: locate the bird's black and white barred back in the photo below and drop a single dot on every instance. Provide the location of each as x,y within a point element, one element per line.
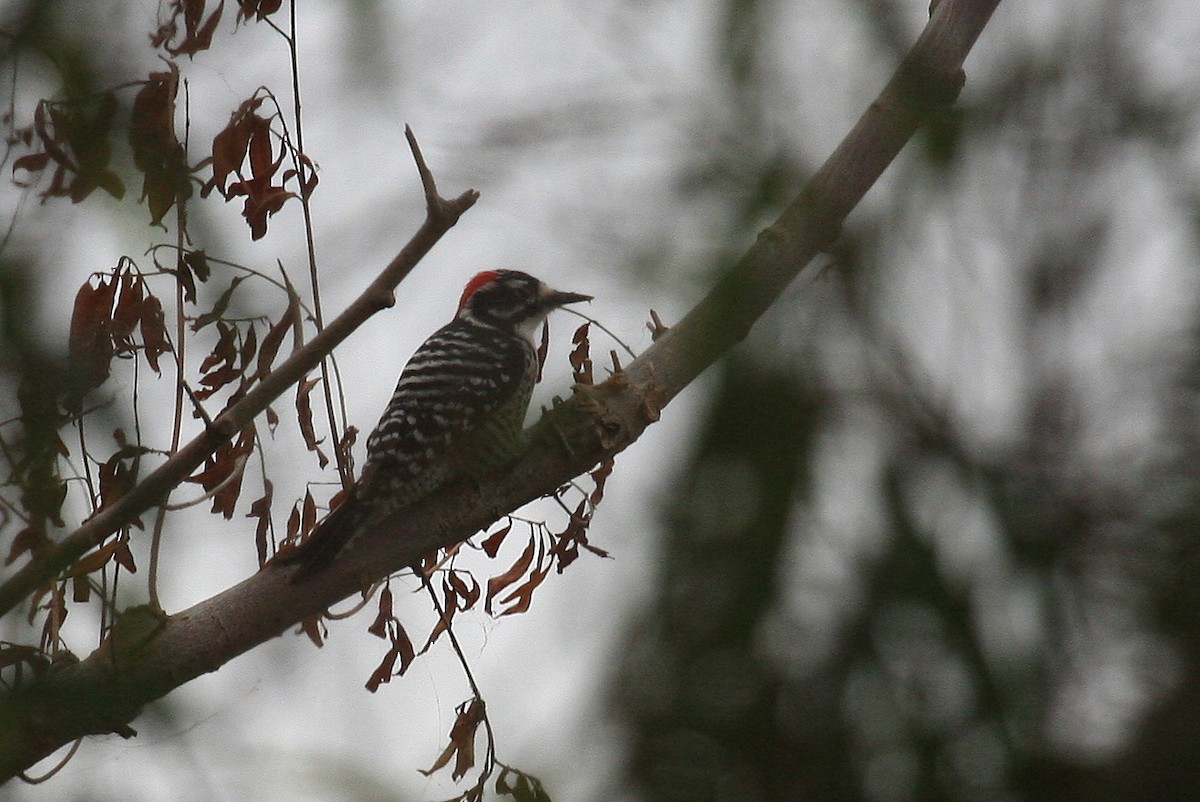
<point>458,409</point>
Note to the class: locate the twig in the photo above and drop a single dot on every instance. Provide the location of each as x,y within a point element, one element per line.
<point>336,427</point>
<point>602,328</point>
<point>239,465</point>
<point>434,204</point>
<point>57,768</point>
<point>489,760</point>
<point>196,405</point>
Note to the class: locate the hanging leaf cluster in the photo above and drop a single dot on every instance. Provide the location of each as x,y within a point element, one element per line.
<point>197,28</point>
<point>74,138</point>
<point>510,782</point>
<point>245,149</point>
<point>157,152</point>
<point>115,316</point>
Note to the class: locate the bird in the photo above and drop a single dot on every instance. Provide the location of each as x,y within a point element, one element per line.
<point>458,409</point>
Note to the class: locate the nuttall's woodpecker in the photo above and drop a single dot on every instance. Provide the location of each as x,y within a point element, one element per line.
<point>457,411</point>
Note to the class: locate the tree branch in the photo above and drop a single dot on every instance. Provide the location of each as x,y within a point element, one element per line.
<point>147,655</point>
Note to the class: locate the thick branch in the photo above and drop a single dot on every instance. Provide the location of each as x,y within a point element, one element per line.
<point>146,657</point>
<point>441,215</point>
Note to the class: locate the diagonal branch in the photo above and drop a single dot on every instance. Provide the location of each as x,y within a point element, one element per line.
<point>441,215</point>
<point>147,655</point>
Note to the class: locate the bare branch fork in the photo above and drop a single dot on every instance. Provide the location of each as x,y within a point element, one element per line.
<point>148,654</point>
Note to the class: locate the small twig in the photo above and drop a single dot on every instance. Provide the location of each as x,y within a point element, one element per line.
<point>449,555</point>
<point>179,350</point>
<point>293,296</point>
<point>656,326</point>
<point>239,465</point>
<point>558,499</point>
<point>489,760</point>
<point>200,411</point>
<point>357,605</point>
<point>602,328</point>
<point>284,285</point>
<point>336,426</point>
<point>66,759</point>
<point>434,203</point>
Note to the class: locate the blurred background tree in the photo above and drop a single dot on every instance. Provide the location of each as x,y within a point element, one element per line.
<point>937,538</point>
<point>930,533</point>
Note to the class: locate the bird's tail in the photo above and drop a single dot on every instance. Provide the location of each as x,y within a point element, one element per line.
<point>322,546</point>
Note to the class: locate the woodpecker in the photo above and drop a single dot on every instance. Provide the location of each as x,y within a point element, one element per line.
<point>458,409</point>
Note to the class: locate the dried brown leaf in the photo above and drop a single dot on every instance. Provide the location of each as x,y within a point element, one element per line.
<point>309,517</point>
<point>468,594</point>
<point>462,740</point>
<point>449,608</point>
<point>305,418</point>
<point>81,589</point>
<point>314,629</point>
<point>600,476</point>
<point>293,524</point>
<point>118,475</point>
<point>580,359</point>
<point>498,583</point>
<point>401,649</point>
<point>260,508</point>
<point>93,561</point>
<point>154,331</point>
<point>274,338</point>
<point>248,349</point>
<point>123,557</point>
<point>157,152</point>
<point>378,628</point>
<point>258,9</point>
<point>218,309</point>
<point>383,672</point>
<point>90,347</point>
<point>491,545</point>
<point>522,597</point>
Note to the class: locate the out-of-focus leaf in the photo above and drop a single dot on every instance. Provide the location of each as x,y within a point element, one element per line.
<point>219,307</point>
<point>90,347</point>
<point>520,786</point>
<point>257,9</point>
<point>198,31</point>
<point>157,152</point>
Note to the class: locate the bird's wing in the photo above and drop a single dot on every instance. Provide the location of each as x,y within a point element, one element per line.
<point>456,378</point>
<point>448,385</point>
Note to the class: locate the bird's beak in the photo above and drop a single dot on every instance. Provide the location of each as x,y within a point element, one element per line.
<point>554,299</point>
